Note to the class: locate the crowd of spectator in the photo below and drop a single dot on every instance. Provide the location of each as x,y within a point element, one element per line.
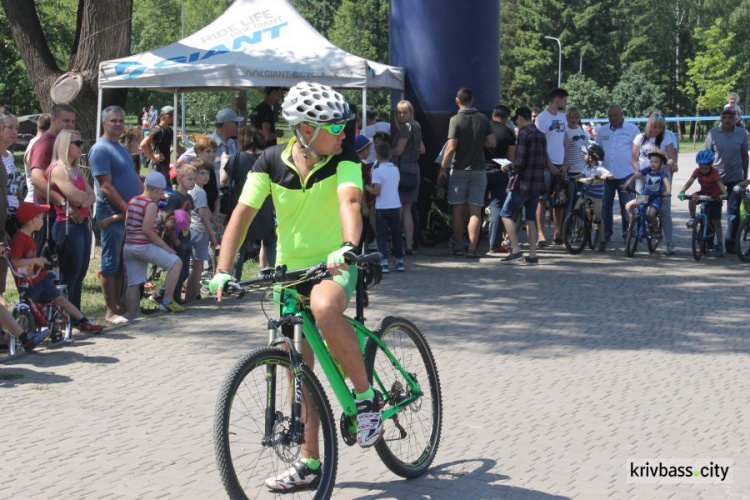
<point>511,161</point>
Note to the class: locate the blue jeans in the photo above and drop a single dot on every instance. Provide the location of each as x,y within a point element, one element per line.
<point>389,220</point>
<point>610,187</point>
<point>497,185</point>
<point>184,252</point>
<point>79,240</point>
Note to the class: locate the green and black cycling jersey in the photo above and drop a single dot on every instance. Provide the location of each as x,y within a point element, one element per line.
<point>309,224</point>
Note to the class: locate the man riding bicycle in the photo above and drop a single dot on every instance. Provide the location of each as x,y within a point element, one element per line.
<point>316,186</point>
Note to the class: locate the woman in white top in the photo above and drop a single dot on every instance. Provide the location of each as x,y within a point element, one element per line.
<point>651,139</point>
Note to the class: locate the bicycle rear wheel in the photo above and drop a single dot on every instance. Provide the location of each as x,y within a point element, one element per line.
<point>259,386</point>
<point>411,437</point>
<point>698,243</point>
<point>631,245</point>
<point>742,241</point>
<point>575,235</point>
<point>437,231</point>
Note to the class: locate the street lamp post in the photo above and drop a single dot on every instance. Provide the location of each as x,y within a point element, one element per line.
<point>559,60</point>
<point>182,115</point>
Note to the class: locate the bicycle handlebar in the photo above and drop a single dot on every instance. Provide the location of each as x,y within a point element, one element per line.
<point>18,275</point>
<point>702,197</point>
<point>281,274</point>
<point>633,191</point>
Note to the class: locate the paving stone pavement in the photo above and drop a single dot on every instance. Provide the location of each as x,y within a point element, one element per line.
<point>552,376</point>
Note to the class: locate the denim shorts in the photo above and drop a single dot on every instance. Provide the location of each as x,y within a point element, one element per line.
<point>43,292</point>
<point>200,245</point>
<point>467,186</point>
<point>515,200</point>
<point>113,237</point>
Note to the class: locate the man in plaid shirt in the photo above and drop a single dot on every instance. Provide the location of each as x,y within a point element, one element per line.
<point>526,184</point>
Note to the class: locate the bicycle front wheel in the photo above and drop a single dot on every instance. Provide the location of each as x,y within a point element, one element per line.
<point>742,242</point>
<point>411,437</point>
<point>252,427</point>
<point>574,232</point>
<point>631,245</point>
<point>698,243</point>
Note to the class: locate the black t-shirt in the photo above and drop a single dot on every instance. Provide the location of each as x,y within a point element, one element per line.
<point>161,142</point>
<point>212,190</point>
<point>263,113</point>
<point>505,138</point>
<point>237,169</point>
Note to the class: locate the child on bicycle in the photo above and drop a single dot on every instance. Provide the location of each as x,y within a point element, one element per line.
<point>710,182</point>
<point>655,185</point>
<point>384,187</point>
<point>143,247</point>
<point>593,154</point>
<point>23,257</point>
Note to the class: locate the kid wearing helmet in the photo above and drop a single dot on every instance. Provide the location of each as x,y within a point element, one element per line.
<point>710,182</point>
<point>316,186</point>
<point>655,184</point>
<point>593,154</point>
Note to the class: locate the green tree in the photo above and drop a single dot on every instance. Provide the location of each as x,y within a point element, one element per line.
<point>361,27</point>
<point>636,94</point>
<point>715,69</point>
<point>587,95</point>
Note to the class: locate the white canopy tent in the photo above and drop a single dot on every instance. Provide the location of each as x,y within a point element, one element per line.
<point>255,43</point>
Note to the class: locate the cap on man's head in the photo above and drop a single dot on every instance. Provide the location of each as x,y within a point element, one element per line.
<point>156,180</point>
<point>729,111</point>
<point>27,211</point>
<point>361,142</point>
<point>227,115</point>
<point>167,110</point>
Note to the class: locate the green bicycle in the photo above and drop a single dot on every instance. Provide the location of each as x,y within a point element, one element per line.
<point>272,407</point>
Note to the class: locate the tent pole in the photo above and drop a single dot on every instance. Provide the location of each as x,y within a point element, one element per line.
<point>174,132</point>
<point>99,115</point>
<point>364,109</point>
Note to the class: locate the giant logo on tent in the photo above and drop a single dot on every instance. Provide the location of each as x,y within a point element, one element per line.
<point>134,69</point>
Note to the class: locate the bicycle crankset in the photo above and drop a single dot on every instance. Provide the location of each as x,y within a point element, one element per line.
<point>345,426</point>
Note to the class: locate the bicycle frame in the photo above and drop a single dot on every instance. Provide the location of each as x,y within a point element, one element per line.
<point>294,313</point>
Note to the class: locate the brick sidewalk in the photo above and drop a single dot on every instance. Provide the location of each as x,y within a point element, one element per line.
<point>552,375</point>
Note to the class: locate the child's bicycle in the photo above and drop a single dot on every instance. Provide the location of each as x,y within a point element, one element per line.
<point>742,239</point>
<point>438,226</point>
<point>581,226</point>
<point>33,316</point>
<point>272,406</point>
<point>640,226</point>
<point>703,229</point>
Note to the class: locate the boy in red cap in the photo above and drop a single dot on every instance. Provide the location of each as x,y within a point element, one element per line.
<point>23,253</point>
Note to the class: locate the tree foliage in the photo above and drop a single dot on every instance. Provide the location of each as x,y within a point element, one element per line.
<point>637,95</point>
<point>715,69</point>
<point>586,95</point>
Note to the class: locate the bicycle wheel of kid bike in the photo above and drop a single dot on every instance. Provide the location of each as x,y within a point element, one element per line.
<point>742,241</point>
<point>411,437</point>
<point>593,236</point>
<point>60,327</point>
<point>653,243</point>
<point>25,319</point>
<point>246,460</point>
<point>631,244</point>
<point>436,232</point>
<point>575,235</point>
<point>698,245</point>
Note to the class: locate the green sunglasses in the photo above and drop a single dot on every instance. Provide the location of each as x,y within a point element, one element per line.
<point>331,128</point>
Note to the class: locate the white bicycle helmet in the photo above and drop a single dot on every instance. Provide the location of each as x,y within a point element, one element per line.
<point>314,103</point>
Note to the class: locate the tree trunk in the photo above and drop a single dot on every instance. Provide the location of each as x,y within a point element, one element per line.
<point>102,33</point>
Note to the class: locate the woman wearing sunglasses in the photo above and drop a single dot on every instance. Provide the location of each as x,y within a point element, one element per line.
<point>652,139</point>
<point>66,177</point>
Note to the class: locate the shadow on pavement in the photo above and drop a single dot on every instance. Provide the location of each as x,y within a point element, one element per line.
<point>14,377</point>
<point>469,478</point>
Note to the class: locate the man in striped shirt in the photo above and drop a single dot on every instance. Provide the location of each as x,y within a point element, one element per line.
<point>143,246</point>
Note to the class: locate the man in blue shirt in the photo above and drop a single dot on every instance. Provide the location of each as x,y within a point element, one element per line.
<point>115,183</point>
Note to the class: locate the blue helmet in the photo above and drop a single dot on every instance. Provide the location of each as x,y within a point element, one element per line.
<point>705,157</point>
